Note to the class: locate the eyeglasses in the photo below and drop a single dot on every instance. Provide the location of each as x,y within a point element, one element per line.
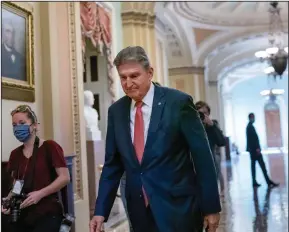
<point>24,109</point>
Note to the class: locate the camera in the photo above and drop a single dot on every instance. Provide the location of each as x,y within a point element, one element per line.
<point>66,223</point>
<point>14,205</point>
<point>202,115</point>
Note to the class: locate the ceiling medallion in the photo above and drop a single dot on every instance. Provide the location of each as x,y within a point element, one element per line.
<point>277,54</point>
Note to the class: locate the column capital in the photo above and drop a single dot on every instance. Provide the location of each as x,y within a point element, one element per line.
<point>138,13</point>
<point>138,18</point>
<point>186,70</point>
<point>138,7</point>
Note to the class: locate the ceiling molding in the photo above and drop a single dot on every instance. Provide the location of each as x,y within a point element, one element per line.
<point>213,83</point>
<point>202,34</point>
<point>228,14</point>
<point>186,70</point>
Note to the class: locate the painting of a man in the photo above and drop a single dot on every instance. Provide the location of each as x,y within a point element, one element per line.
<point>13,62</point>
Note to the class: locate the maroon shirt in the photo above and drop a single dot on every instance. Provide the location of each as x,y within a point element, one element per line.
<point>42,176</point>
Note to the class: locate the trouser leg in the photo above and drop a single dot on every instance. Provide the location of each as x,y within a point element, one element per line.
<point>253,169</point>
<point>263,168</point>
<point>122,192</point>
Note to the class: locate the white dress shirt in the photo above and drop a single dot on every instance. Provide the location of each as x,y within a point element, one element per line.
<point>146,112</point>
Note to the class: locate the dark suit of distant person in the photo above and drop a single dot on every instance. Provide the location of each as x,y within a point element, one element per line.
<point>254,148</point>
<point>12,64</point>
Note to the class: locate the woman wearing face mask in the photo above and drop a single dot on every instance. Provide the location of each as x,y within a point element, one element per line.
<point>40,210</point>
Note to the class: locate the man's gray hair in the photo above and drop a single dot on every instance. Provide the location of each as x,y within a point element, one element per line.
<point>132,54</point>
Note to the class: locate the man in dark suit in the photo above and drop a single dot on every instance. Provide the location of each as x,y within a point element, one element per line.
<point>254,148</point>
<point>156,136</point>
<point>12,62</point>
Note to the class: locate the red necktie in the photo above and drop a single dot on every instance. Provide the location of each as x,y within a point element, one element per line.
<point>139,140</point>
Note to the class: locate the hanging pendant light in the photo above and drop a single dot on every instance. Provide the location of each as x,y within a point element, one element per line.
<point>277,54</point>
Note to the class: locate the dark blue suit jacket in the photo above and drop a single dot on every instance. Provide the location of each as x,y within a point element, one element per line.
<point>177,171</point>
<point>252,139</point>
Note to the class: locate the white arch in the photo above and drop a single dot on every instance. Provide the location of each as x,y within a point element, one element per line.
<point>224,38</point>
<point>170,18</point>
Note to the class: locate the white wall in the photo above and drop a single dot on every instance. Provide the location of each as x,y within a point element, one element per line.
<point>246,98</point>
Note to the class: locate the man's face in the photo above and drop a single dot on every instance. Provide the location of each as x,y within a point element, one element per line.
<point>252,119</point>
<point>135,80</point>
<point>8,35</point>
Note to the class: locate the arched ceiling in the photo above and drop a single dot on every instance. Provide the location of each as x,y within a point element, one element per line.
<point>228,13</point>
<point>218,35</point>
<point>242,72</point>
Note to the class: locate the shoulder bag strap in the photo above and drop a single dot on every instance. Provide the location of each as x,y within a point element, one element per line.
<point>28,186</point>
<point>62,194</point>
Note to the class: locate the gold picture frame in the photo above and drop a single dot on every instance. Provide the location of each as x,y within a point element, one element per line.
<point>17,52</point>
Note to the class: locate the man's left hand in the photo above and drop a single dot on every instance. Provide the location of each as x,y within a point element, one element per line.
<point>208,121</point>
<point>32,199</point>
<point>211,222</point>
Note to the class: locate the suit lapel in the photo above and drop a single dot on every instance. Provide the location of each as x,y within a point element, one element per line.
<point>126,129</point>
<point>156,115</point>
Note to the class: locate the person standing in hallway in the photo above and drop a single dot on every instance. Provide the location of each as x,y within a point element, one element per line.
<point>156,136</point>
<point>215,136</point>
<point>34,176</point>
<point>254,148</point>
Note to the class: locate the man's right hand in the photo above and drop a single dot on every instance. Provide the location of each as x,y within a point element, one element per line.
<point>96,224</point>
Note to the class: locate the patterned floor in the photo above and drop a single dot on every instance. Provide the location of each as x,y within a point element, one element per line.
<point>246,209</point>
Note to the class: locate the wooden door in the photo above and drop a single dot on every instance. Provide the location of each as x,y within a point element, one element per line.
<point>273,125</point>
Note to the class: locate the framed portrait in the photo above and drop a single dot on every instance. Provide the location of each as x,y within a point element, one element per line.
<point>17,52</point>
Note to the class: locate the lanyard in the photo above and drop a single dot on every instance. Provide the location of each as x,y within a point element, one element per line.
<point>33,159</point>
<point>23,176</point>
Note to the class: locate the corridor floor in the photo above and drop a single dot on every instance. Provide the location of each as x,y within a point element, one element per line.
<point>245,209</point>
<point>255,210</point>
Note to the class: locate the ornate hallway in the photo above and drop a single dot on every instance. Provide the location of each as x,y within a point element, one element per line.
<point>246,209</point>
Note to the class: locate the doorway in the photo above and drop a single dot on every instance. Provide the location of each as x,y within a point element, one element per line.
<point>273,125</point>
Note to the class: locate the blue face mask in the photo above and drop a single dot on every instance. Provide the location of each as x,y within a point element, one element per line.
<point>22,132</point>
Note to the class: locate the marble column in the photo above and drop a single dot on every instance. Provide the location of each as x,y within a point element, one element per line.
<point>138,22</point>
<point>213,100</point>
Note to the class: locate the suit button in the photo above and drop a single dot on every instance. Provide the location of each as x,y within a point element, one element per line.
<point>140,196</point>
<point>141,173</point>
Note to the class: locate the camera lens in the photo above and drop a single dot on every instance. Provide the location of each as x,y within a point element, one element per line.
<point>15,213</point>
<point>202,115</point>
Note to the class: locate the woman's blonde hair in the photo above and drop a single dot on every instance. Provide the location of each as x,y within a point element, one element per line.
<point>25,109</point>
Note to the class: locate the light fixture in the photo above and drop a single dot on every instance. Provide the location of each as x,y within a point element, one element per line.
<point>269,70</point>
<point>277,54</point>
<point>275,92</point>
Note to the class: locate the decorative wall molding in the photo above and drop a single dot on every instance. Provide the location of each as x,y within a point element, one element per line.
<point>75,104</point>
<point>213,83</point>
<point>160,26</point>
<point>186,70</point>
<point>138,18</point>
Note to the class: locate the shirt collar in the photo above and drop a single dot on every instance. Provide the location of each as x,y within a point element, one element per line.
<point>148,98</point>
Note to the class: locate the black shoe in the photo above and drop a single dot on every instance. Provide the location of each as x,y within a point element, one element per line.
<point>256,184</point>
<point>272,184</point>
